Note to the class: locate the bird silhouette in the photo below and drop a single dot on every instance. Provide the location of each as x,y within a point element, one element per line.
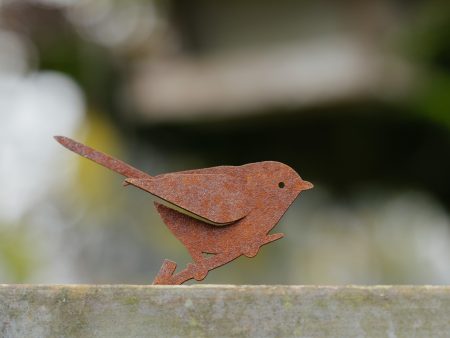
<point>218,213</point>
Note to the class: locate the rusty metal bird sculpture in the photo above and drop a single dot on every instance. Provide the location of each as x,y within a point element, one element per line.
<point>218,213</point>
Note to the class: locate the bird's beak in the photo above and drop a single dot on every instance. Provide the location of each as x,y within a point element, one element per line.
<point>305,185</point>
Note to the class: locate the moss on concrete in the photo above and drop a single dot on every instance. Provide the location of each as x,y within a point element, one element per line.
<point>232,311</point>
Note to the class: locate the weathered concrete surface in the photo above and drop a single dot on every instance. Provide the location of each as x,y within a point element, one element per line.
<point>224,311</point>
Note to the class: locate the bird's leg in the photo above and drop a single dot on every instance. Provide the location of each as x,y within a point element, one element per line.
<point>166,276</point>
<point>199,269</point>
<point>218,260</point>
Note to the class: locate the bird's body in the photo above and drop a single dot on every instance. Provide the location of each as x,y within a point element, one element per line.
<point>218,213</point>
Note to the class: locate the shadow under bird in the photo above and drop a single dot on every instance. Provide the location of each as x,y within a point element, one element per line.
<point>218,213</point>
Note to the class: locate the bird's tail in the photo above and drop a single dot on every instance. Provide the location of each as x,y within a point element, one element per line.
<point>101,158</point>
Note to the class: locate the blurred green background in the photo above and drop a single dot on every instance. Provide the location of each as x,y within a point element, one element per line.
<point>354,95</point>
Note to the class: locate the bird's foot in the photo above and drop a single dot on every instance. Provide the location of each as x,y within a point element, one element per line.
<point>199,271</point>
<point>273,237</point>
<point>165,274</point>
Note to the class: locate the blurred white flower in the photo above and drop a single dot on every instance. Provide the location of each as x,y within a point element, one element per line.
<point>33,109</point>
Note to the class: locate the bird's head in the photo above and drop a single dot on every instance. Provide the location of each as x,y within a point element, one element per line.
<point>277,181</point>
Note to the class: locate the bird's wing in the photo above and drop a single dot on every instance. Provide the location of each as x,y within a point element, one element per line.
<point>213,198</point>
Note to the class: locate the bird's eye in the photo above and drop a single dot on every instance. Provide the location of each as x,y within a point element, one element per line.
<point>281,185</point>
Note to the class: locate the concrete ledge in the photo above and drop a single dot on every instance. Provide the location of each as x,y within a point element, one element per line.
<point>224,311</point>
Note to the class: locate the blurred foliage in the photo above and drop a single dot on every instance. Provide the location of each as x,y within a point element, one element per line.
<point>17,259</point>
<point>95,185</point>
<point>432,99</point>
<point>427,43</point>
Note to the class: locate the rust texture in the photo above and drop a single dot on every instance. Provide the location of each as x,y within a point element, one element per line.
<point>218,213</point>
